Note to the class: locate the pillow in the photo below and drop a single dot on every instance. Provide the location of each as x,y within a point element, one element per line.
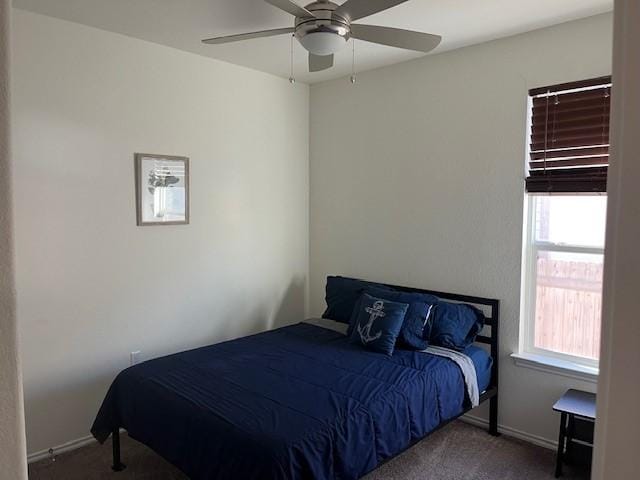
<point>377,323</point>
<point>341,296</point>
<point>455,325</point>
<point>415,331</point>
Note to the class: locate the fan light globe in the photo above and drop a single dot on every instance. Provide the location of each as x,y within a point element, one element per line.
<point>323,43</point>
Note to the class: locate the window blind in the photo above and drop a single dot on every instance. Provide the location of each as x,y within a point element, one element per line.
<point>569,141</point>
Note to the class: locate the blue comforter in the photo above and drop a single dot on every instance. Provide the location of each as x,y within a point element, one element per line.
<point>293,403</point>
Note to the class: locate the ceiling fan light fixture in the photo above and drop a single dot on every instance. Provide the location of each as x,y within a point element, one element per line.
<point>323,43</point>
<point>324,27</point>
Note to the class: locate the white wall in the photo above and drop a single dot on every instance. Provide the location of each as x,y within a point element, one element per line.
<point>417,179</point>
<point>92,286</point>
<point>618,423</point>
<point>12,442</point>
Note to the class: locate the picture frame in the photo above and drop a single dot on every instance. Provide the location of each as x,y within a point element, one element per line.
<point>162,189</point>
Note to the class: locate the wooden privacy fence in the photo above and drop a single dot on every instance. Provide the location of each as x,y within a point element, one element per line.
<point>568,306</point>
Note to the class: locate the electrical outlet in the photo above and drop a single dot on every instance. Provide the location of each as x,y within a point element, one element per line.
<point>135,357</point>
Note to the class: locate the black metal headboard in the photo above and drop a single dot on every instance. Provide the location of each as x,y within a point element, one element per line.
<point>492,322</point>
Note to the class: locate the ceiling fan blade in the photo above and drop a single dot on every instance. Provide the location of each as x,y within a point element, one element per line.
<point>318,63</point>
<point>247,36</point>
<point>396,37</point>
<point>356,9</point>
<point>290,7</point>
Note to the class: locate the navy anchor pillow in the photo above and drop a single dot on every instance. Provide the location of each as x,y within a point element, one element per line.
<point>416,328</point>
<point>377,323</point>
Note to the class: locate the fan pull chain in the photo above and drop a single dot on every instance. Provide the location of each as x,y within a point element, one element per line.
<point>292,79</point>
<point>353,78</point>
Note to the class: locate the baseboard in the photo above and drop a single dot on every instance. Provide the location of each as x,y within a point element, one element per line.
<point>471,419</point>
<point>512,432</point>
<point>65,447</point>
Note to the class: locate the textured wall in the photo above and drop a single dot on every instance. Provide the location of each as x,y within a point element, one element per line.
<point>417,178</point>
<point>12,443</point>
<point>93,287</point>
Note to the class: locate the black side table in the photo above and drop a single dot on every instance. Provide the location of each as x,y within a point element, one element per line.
<point>577,416</point>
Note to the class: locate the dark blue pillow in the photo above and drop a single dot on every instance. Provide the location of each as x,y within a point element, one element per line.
<point>415,331</point>
<point>377,323</point>
<point>455,325</point>
<point>341,296</point>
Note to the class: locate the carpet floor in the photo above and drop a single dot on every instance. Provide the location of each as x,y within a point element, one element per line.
<point>457,452</point>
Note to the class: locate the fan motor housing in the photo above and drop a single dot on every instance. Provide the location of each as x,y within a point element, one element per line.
<point>325,21</point>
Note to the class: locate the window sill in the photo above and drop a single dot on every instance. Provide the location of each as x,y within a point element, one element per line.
<point>556,366</point>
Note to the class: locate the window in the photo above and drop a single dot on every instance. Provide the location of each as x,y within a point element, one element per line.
<point>565,221</point>
<point>563,281</point>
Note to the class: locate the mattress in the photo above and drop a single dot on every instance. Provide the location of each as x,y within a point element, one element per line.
<point>292,403</point>
<point>480,357</point>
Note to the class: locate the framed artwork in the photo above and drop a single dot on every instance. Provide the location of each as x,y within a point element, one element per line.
<point>162,189</point>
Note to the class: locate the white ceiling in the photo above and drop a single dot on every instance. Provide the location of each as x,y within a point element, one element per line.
<point>183,23</point>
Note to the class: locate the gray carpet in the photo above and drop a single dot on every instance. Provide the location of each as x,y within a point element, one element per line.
<point>457,452</point>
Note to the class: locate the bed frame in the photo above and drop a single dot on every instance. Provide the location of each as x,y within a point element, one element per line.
<point>492,323</point>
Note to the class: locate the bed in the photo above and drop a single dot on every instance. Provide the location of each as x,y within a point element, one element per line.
<point>296,402</point>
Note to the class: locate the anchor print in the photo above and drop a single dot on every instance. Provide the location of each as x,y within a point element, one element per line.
<point>374,312</point>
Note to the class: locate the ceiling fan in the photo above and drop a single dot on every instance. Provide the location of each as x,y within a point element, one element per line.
<point>324,27</point>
